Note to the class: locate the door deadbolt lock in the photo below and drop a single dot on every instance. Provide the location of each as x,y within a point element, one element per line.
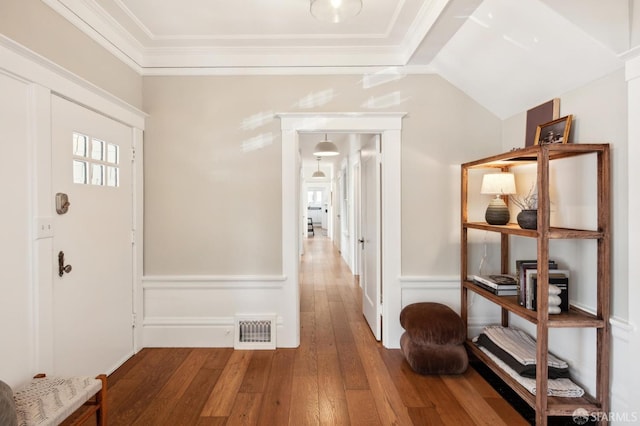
<point>62,268</point>
<point>62,203</point>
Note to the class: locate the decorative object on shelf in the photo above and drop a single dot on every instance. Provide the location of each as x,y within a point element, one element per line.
<point>335,11</point>
<point>318,173</point>
<point>528,217</point>
<point>325,148</point>
<point>556,131</point>
<point>543,113</point>
<point>498,184</point>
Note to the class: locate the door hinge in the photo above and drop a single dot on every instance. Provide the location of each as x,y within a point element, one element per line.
<point>133,154</point>
<point>133,320</point>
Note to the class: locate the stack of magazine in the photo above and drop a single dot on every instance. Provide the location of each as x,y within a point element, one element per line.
<point>498,284</point>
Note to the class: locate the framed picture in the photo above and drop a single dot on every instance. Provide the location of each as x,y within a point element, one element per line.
<point>543,113</point>
<point>556,131</point>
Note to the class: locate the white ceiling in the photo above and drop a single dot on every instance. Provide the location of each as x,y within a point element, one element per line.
<point>256,33</point>
<point>507,55</point>
<point>513,55</point>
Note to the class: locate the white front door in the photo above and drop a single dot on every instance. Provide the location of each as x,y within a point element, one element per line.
<point>370,237</point>
<point>93,301</point>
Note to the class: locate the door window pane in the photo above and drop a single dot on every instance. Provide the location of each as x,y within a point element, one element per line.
<point>97,150</point>
<point>112,153</point>
<point>97,174</point>
<point>80,145</point>
<point>79,171</point>
<point>112,176</point>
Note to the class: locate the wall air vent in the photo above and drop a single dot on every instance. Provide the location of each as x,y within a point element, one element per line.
<point>255,332</point>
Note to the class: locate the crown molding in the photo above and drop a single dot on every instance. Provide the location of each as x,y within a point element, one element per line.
<point>373,71</point>
<point>425,21</point>
<point>630,54</point>
<point>98,25</point>
<point>33,67</point>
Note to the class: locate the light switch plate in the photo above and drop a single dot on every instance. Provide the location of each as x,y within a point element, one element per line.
<point>44,227</point>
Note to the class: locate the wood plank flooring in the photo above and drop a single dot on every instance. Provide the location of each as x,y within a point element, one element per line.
<point>338,376</point>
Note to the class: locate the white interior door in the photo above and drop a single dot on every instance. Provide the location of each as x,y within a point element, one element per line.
<point>93,302</point>
<point>370,237</point>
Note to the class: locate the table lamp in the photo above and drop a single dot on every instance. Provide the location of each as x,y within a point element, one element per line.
<point>498,184</point>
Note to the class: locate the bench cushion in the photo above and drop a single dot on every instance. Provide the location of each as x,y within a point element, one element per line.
<point>50,400</point>
<point>432,323</point>
<point>8,415</point>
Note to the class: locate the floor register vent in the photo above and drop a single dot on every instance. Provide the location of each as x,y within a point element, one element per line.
<point>255,332</point>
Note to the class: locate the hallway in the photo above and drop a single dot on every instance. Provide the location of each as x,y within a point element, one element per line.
<point>338,376</point>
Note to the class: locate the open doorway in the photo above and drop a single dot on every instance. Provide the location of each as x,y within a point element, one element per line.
<point>388,125</point>
<point>330,199</point>
<point>318,206</point>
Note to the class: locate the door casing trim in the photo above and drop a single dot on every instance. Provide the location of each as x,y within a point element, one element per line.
<point>389,126</point>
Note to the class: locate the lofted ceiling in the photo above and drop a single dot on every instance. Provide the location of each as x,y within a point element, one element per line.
<point>507,55</point>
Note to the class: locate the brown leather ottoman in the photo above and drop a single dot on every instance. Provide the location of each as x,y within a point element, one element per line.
<point>433,342</point>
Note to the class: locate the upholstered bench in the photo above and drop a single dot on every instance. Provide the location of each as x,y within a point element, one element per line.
<point>48,401</point>
<point>433,341</point>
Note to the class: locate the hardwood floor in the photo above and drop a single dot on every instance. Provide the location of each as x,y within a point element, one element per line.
<point>338,376</point>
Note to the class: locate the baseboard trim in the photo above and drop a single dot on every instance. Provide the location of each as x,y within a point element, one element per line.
<point>215,282</point>
<point>210,332</point>
<point>200,310</point>
<point>187,322</point>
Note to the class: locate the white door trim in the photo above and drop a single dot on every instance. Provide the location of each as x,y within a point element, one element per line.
<point>47,78</point>
<point>389,125</point>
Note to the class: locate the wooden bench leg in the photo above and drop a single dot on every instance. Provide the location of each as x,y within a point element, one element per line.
<point>101,399</point>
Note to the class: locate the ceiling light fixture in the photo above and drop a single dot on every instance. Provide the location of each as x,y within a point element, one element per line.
<point>326,148</point>
<point>335,10</point>
<point>319,173</point>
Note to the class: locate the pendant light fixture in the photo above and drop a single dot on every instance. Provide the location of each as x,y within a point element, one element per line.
<point>319,173</point>
<point>326,148</point>
<point>335,10</point>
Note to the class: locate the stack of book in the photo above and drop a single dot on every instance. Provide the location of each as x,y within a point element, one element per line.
<point>558,291</point>
<point>528,283</point>
<point>498,284</point>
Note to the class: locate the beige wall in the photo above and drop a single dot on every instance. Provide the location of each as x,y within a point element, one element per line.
<point>212,166</point>
<point>41,29</point>
<point>599,115</point>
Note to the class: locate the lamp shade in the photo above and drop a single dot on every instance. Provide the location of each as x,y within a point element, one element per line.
<point>498,184</point>
<point>326,148</point>
<point>335,10</point>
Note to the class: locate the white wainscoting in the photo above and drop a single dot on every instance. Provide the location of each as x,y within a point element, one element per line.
<point>199,311</point>
<point>622,383</point>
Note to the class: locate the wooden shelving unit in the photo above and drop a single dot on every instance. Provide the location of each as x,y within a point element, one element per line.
<point>541,156</point>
